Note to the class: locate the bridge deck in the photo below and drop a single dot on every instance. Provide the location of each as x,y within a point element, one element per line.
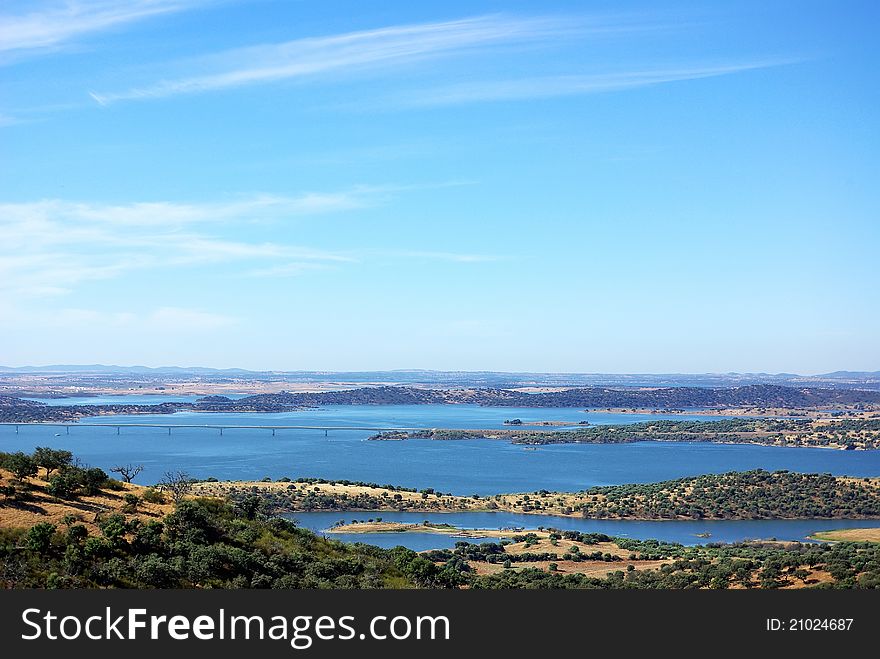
<point>72,424</point>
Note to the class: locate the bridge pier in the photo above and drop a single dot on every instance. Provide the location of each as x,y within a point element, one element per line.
<point>221,432</point>
<point>273,432</point>
<point>67,428</point>
<point>169,430</point>
<point>118,428</point>
<point>325,433</point>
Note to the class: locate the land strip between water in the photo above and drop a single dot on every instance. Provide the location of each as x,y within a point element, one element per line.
<point>758,397</point>
<point>756,494</point>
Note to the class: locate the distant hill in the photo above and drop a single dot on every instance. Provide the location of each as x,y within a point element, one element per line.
<point>494,379</point>
<point>113,369</point>
<point>587,397</point>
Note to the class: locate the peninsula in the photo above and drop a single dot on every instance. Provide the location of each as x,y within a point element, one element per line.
<point>756,494</point>
<point>835,433</point>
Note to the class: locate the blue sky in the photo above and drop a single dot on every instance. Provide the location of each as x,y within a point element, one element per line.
<point>554,186</point>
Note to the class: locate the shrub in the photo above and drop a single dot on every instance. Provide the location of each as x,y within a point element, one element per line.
<point>152,495</point>
<point>131,503</point>
<point>39,537</point>
<point>64,485</point>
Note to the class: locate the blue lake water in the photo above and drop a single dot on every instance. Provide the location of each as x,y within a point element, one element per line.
<point>460,467</point>
<point>684,532</point>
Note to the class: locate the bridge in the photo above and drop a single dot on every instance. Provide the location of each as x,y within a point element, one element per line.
<point>208,426</point>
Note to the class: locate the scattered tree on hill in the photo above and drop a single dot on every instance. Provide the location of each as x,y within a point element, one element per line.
<point>51,459</point>
<point>177,483</point>
<point>39,537</point>
<point>21,465</point>
<point>128,471</point>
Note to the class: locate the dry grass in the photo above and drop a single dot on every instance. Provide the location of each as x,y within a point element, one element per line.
<point>41,507</point>
<point>850,535</point>
<point>431,503</point>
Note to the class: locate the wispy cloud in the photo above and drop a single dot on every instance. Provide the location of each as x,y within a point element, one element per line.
<point>457,257</point>
<point>318,57</point>
<point>180,214</point>
<point>8,120</point>
<point>163,319</point>
<point>50,23</point>
<point>565,85</point>
<point>52,246</point>
<point>286,270</point>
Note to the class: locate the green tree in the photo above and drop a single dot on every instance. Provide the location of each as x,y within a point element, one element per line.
<point>64,485</point>
<point>51,459</point>
<point>93,479</point>
<point>21,465</point>
<point>114,529</point>
<point>39,537</point>
<point>77,533</point>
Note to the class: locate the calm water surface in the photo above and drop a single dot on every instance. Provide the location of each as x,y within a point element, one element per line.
<point>460,467</point>
<point>684,532</point>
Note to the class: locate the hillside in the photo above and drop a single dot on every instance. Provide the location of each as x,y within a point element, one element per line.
<point>32,504</point>
<point>47,541</point>
<point>15,409</point>
<point>101,537</point>
<point>754,494</point>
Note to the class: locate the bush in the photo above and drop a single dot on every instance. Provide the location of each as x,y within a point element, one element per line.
<point>39,537</point>
<point>93,479</point>
<point>152,495</point>
<point>77,533</point>
<point>131,503</point>
<point>64,485</point>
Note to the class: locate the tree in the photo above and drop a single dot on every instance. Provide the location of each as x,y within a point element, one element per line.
<point>128,471</point>
<point>39,537</point>
<point>114,529</point>
<point>77,533</point>
<point>51,459</point>
<point>249,507</point>
<point>93,479</point>
<point>21,465</point>
<point>64,485</point>
<point>177,483</point>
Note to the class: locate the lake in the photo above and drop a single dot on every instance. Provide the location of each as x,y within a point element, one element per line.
<point>460,467</point>
<point>680,531</point>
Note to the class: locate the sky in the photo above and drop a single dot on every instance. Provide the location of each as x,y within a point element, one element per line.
<point>681,186</point>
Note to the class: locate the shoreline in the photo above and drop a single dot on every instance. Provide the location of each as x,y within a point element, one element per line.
<point>848,535</point>
<point>404,527</point>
